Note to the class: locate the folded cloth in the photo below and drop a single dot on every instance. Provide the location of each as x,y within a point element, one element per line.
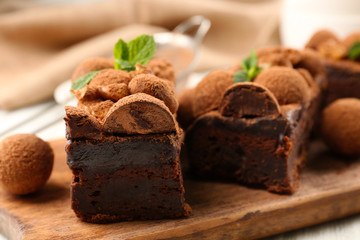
<point>40,46</point>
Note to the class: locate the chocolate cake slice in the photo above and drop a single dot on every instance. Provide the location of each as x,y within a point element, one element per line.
<point>342,71</point>
<point>123,148</point>
<point>255,132</point>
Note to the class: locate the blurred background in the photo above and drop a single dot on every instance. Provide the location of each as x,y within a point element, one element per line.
<point>42,41</point>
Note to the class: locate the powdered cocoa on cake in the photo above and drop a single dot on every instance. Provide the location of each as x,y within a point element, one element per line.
<point>97,107</point>
<point>89,65</point>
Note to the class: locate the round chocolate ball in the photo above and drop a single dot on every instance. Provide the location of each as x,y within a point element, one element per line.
<point>26,163</point>
<point>340,126</point>
<point>287,84</point>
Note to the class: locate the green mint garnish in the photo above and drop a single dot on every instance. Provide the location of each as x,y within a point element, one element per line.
<point>83,80</point>
<point>354,51</point>
<point>139,50</point>
<point>240,76</point>
<point>250,69</point>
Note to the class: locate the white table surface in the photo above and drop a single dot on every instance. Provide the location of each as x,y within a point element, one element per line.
<point>46,120</point>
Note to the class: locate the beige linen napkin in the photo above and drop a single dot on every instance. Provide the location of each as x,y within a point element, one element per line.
<point>40,46</point>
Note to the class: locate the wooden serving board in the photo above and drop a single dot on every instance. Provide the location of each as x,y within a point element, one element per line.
<point>330,189</point>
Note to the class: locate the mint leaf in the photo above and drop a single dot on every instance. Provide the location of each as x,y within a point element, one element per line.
<point>124,65</point>
<point>141,49</point>
<point>354,51</point>
<point>84,80</point>
<point>253,72</point>
<point>250,62</point>
<point>121,52</point>
<point>250,69</point>
<point>241,76</point>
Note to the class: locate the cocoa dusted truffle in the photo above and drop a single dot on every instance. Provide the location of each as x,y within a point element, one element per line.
<point>287,84</point>
<point>114,91</point>
<point>139,113</point>
<point>110,76</point>
<point>162,69</point>
<point>351,39</point>
<point>278,56</point>
<point>208,93</point>
<point>327,44</point>
<point>91,64</point>
<point>248,99</point>
<point>26,163</point>
<point>340,126</point>
<point>156,87</point>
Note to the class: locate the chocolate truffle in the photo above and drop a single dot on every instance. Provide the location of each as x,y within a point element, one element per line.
<point>319,37</point>
<point>208,93</point>
<point>278,56</point>
<point>248,99</point>
<point>351,39</point>
<point>139,113</point>
<point>156,87</point>
<point>89,65</point>
<point>114,91</point>
<point>287,84</point>
<point>340,126</point>
<point>110,76</point>
<point>327,44</point>
<point>162,69</point>
<point>26,163</point>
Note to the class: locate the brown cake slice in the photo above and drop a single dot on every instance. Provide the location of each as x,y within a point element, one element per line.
<point>342,73</point>
<point>255,132</point>
<point>123,149</point>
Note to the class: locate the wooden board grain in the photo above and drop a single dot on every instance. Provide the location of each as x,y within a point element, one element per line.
<point>330,189</point>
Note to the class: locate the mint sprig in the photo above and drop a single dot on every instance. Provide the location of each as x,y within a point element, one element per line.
<point>354,51</point>
<point>127,55</point>
<point>249,69</point>
<point>139,50</point>
<point>84,80</point>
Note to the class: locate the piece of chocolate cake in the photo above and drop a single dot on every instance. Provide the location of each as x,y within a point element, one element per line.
<point>123,147</point>
<point>342,72</point>
<point>254,132</point>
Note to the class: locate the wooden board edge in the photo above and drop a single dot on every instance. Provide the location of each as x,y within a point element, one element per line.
<point>259,224</point>
<point>10,226</point>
